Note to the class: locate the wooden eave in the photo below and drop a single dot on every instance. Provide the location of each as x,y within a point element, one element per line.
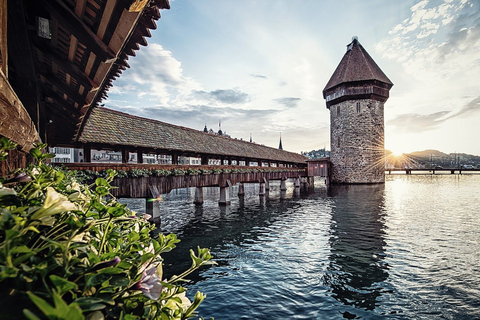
<point>89,45</point>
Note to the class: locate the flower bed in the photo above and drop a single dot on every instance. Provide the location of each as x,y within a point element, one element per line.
<point>71,251</point>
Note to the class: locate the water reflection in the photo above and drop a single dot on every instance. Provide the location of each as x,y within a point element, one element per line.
<point>357,245</point>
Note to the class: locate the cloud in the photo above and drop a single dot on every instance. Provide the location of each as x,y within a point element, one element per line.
<point>468,109</point>
<point>229,96</point>
<point>288,102</point>
<point>155,74</point>
<point>261,76</point>
<point>416,123</point>
<point>437,40</point>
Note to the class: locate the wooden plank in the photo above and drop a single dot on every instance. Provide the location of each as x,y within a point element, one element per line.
<point>64,88</point>
<point>123,30</point>
<point>3,38</point>
<point>77,27</point>
<point>15,122</point>
<point>80,8</point>
<point>65,65</point>
<point>106,17</point>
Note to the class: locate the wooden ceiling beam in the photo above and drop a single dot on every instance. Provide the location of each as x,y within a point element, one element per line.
<point>106,17</point>
<point>75,96</point>
<point>78,28</point>
<point>65,65</point>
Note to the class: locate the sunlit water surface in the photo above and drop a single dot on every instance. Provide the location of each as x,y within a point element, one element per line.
<point>408,249</point>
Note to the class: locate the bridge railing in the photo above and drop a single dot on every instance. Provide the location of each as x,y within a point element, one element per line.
<point>168,177</point>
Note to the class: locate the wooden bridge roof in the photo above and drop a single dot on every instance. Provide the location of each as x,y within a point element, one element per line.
<point>356,65</point>
<point>109,127</point>
<point>64,54</point>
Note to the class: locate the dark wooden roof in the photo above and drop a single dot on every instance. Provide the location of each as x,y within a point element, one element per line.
<point>109,127</point>
<point>355,66</point>
<point>61,70</point>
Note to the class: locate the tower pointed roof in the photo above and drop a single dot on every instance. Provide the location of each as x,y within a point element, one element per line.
<point>355,66</point>
<point>280,144</point>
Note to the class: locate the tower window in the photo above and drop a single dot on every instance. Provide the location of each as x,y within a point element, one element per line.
<point>338,141</point>
<point>358,107</point>
<point>338,110</point>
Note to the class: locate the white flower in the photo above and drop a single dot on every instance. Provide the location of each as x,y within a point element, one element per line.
<point>55,203</point>
<point>150,284</point>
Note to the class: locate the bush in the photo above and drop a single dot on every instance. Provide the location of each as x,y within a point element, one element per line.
<point>161,172</point>
<point>192,171</point>
<point>178,172</point>
<point>71,251</point>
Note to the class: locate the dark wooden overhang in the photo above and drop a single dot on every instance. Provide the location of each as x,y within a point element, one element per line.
<point>64,54</point>
<point>110,129</point>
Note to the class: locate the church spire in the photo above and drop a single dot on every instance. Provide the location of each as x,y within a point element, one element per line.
<point>280,144</point>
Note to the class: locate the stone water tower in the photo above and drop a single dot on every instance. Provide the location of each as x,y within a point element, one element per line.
<point>355,96</point>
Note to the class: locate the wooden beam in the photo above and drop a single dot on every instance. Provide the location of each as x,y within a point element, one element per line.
<point>15,122</point>
<point>106,17</point>
<point>78,28</point>
<point>75,96</point>
<point>3,38</point>
<point>65,65</point>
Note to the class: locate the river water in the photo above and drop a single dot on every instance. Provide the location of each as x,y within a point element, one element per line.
<point>408,249</point>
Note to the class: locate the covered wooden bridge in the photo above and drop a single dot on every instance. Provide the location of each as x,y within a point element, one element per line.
<point>108,129</point>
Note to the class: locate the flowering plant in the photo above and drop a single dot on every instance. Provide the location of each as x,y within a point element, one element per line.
<point>71,251</point>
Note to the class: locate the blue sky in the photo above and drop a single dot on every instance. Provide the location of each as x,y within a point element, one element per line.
<point>260,67</point>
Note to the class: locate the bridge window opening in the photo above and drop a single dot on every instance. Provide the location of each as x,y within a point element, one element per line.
<point>358,107</point>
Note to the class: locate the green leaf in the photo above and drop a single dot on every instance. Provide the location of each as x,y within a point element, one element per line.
<point>133,236</point>
<point>101,191</point>
<point>116,211</point>
<point>62,285</point>
<point>30,315</point>
<point>97,279</point>
<point>101,182</point>
<point>146,257</point>
<point>43,305</point>
<point>21,249</point>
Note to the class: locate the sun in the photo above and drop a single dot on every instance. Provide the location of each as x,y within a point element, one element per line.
<point>396,153</point>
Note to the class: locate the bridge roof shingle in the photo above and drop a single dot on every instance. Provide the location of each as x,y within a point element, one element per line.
<point>106,126</point>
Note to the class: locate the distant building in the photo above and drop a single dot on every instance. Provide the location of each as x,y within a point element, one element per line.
<point>66,155</point>
<point>280,144</point>
<point>355,96</point>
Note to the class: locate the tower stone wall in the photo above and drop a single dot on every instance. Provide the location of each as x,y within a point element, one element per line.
<point>357,143</point>
<point>355,95</point>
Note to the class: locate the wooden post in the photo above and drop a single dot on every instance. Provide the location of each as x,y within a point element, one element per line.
<point>174,158</point>
<point>139,156</point>
<point>205,160</point>
<point>283,185</point>
<point>241,189</point>
<point>87,153</point>
<point>198,196</point>
<point>262,189</point>
<point>125,155</point>
<point>297,182</point>
<point>224,196</point>
<point>153,209</point>
<point>267,184</point>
